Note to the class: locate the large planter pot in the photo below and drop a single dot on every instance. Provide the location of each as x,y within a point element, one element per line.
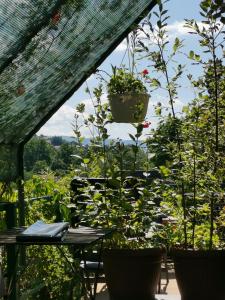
<point>200,274</point>
<point>129,108</point>
<point>132,274</point>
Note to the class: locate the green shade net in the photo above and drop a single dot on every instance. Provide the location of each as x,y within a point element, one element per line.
<point>48,48</point>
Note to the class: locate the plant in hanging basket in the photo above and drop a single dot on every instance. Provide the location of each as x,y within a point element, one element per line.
<point>128,97</point>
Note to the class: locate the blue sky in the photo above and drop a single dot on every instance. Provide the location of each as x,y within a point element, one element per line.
<point>61,122</point>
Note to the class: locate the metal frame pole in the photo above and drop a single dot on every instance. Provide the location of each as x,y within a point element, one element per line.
<point>11,253</point>
<point>20,184</point>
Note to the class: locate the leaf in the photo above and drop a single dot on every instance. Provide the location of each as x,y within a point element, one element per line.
<point>132,137</point>
<point>86,160</point>
<point>159,23</point>
<point>77,156</point>
<point>155,83</point>
<point>164,12</point>
<point>197,57</point>
<point>191,54</point>
<point>160,7</point>
<point>151,155</point>
<point>165,171</point>
<point>194,56</point>
<point>176,45</point>
<point>185,109</point>
<point>143,46</point>
<point>222,19</point>
<point>156,14</point>
<point>158,111</point>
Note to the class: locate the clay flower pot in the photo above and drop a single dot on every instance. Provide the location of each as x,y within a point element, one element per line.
<point>200,274</point>
<point>132,274</point>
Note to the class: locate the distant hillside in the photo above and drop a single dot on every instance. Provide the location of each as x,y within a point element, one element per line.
<point>71,139</point>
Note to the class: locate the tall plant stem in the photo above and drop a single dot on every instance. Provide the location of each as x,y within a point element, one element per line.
<point>194,199</point>
<point>105,173</point>
<point>216,138</point>
<point>121,173</point>
<point>135,154</point>
<point>178,143</point>
<point>216,104</point>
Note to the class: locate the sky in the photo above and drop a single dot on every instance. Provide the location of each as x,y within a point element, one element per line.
<point>61,121</point>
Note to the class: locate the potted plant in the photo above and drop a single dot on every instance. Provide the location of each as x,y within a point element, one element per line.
<point>201,273</point>
<point>128,257</point>
<point>132,263</point>
<point>196,166</point>
<point>127,96</point>
<point>132,270</point>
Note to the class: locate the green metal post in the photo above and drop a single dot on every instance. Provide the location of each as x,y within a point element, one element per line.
<point>10,209</point>
<point>20,185</point>
<point>21,202</point>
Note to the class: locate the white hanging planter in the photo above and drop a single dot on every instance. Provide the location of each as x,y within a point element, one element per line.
<point>128,108</point>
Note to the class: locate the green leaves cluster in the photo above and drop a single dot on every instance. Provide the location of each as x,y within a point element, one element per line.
<point>124,82</point>
<point>193,162</point>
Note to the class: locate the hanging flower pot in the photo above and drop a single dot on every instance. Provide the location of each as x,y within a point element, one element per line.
<point>128,98</point>
<point>129,108</point>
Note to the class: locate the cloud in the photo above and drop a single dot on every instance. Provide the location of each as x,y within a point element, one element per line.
<point>177,29</point>
<point>163,99</point>
<point>119,130</point>
<point>89,107</point>
<point>122,46</point>
<point>60,123</point>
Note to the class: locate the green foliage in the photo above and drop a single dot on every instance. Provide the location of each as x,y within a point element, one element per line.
<point>38,149</point>
<point>41,155</point>
<point>190,149</point>
<point>123,82</point>
<point>128,209</point>
<point>48,275</point>
<point>182,203</point>
<point>163,140</point>
<point>56,140</point>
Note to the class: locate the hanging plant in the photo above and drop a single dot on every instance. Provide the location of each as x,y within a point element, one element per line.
<point>127,96</point>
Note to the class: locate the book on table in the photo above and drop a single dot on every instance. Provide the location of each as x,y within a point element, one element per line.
<point>41,231</point>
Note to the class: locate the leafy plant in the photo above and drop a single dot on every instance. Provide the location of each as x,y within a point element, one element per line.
<point>194,167</point>
<point>124,82</point>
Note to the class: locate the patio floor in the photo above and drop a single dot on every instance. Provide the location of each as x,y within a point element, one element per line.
<point>171,291</point>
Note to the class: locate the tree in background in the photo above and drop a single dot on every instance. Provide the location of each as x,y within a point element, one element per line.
<point>56,140</point>
<point>38,149</point>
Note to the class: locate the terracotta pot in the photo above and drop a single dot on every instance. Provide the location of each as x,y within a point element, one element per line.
<point>132,274</point>
<point>200,274</point>
<point>129,108</point>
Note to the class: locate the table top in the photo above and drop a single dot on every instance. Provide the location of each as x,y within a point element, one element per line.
<point>79,237</point>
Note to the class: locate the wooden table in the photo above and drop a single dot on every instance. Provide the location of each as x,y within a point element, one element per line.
<point>79,238</point>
